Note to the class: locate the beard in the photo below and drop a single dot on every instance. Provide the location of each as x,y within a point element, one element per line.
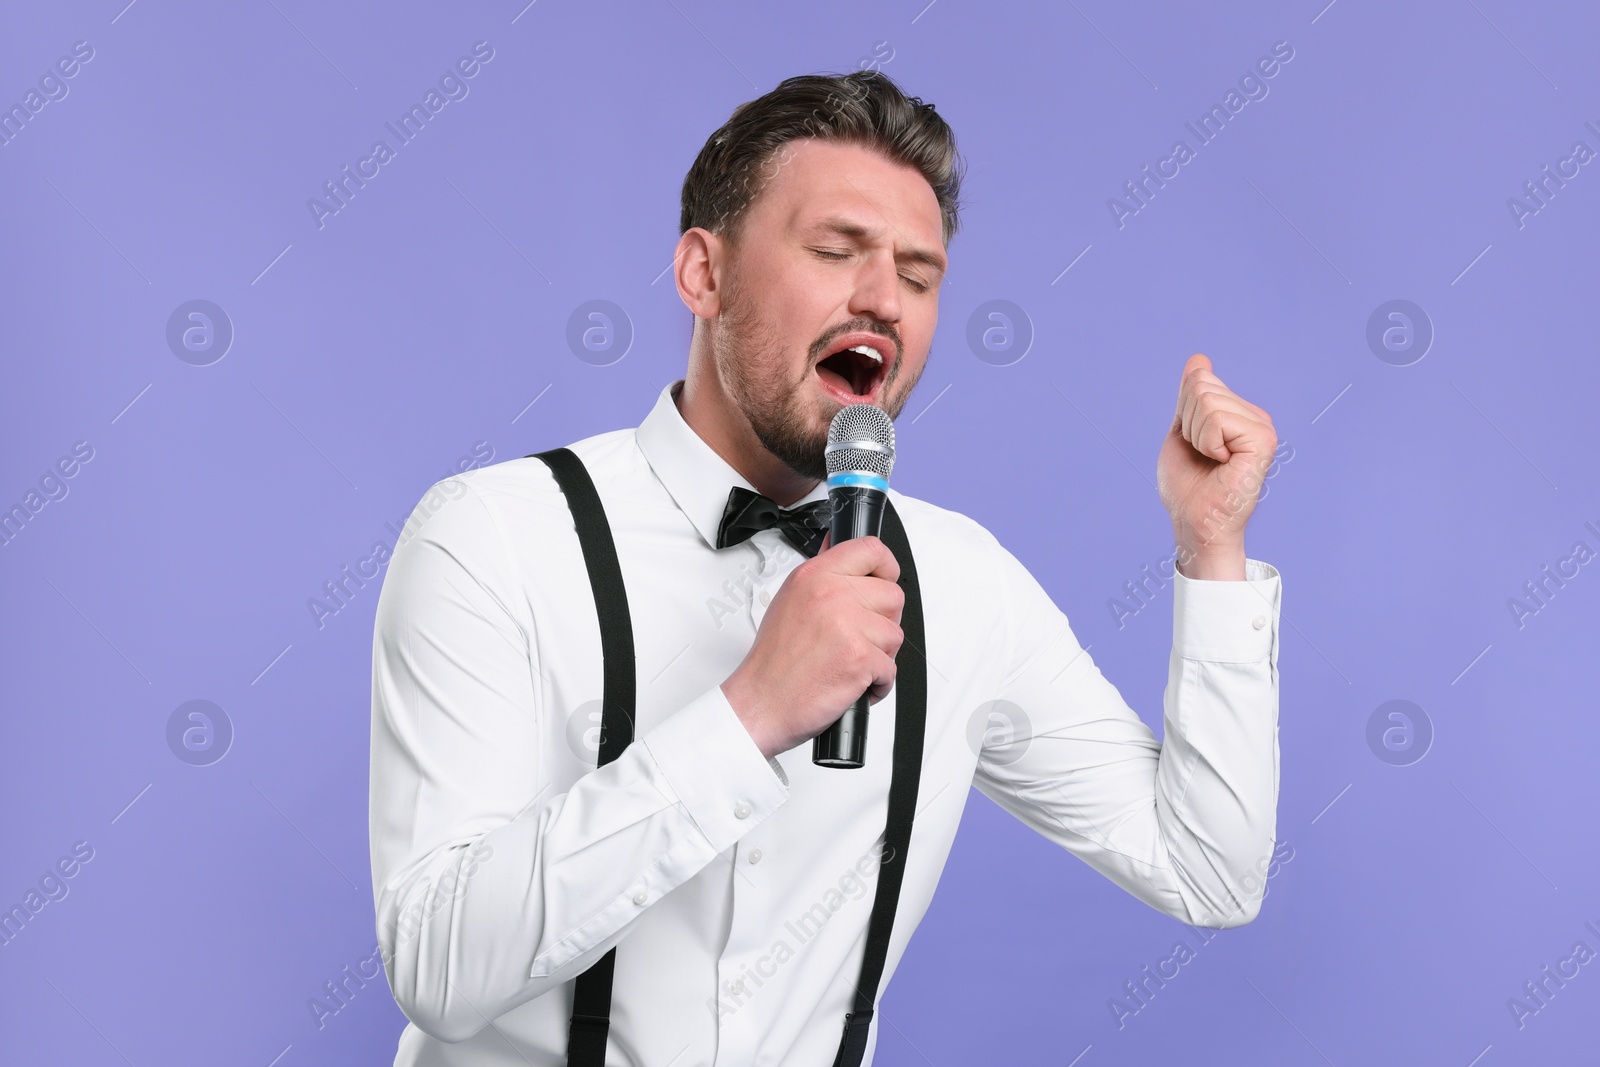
<point>748,355</point>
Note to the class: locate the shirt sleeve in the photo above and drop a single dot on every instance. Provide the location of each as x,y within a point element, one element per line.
<point>1186,824</point>
<point>494,884</point>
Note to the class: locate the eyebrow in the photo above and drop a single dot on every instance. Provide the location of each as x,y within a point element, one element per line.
<point>855,231</point>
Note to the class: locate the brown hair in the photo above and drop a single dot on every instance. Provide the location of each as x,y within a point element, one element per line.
<point>864,107</point>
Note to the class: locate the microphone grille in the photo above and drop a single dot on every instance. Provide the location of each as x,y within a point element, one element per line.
<point>860,438</point>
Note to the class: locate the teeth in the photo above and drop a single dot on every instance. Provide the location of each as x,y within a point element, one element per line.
<point>867,350</point>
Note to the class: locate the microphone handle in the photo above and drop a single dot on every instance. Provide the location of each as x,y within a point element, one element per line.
<point>857,512</point>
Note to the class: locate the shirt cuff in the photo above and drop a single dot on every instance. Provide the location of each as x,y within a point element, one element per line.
<point>1227,621</point>
<point>716,769</point>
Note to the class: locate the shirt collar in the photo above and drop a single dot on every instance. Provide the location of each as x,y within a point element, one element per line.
<point>696,477</point>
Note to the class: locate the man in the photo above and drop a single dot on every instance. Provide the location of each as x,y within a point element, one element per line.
<point>732,875</point>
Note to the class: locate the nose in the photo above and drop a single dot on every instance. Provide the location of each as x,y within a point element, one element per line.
<point>877,289</point>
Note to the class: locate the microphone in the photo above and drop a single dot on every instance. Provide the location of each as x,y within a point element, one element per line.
<point>859,456</point>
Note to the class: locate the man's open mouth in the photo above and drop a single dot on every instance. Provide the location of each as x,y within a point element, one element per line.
<point>855,372</point>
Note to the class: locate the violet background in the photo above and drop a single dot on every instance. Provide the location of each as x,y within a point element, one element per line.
<point>373,353</point>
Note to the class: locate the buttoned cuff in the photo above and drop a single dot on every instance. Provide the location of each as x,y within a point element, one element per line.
<point>1227,621</point>
<point>716,769</point>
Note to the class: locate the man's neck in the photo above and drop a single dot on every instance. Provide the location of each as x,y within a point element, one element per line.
<point>715,419</point>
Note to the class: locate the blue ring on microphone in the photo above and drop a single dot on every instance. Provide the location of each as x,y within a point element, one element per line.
<point>840,479</point>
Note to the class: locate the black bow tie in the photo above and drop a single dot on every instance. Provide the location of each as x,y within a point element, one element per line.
<point>747,512</point>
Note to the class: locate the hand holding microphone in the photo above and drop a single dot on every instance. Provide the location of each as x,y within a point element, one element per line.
<point>828,640</point>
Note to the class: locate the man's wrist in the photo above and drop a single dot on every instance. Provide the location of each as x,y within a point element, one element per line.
<point>1212,563</point>
<point>744,707</point>
<point>708,762</point>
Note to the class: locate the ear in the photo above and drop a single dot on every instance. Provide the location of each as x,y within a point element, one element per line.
<point>697,269</point>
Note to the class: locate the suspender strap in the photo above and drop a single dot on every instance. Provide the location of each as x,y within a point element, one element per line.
<point>591,1003</point>
<point>911,706</point>
<point>610,600</point>
<point>591,1000</point>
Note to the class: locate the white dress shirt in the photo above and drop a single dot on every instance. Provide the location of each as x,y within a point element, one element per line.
<point>737,889</point>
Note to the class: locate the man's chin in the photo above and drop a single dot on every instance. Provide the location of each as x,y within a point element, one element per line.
<point>806,467</point>
<point>797,434</point>
<point>802,451</point>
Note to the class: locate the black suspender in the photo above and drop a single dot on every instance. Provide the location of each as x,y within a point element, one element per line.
<point>591,998</point>
<point>591,1004</point>
<point>911,706</point>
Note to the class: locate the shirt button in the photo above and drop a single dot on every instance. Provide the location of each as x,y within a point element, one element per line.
<point>766,598</point>
<point>640,897</point>
<point>738,986</point>
<point>741,810</point>
<point>755,855</point>
<point>1259,621</point>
